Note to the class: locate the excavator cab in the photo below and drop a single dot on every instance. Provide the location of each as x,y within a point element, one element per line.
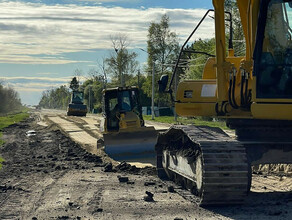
<point>124,133</point>
<point>273,51</point>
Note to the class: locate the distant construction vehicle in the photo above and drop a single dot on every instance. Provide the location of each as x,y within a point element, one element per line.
<point>76,107</point>
<point>252,92</point>
<point>124,133</point>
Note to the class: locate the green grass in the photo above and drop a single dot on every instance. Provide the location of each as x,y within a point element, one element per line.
<point>10,119</point>
<point>1,160</point>
<point>199,121</point>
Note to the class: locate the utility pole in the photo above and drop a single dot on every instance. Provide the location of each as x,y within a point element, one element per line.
<point>153,81</point>
<point>175,89</point>
<point>138,76</point>
<point>89,98</point>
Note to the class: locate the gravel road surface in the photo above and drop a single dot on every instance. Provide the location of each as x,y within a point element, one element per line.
<point>51,176</point>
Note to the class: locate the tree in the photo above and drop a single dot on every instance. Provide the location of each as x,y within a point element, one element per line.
<point>197,60</point>
<point>121,62</point>
<point>10,100</point>
<point>57,98</point>
<point>162,44</point>
<point>74,84</point>
<point>238,35</point>
<point>99,74</point>
<point>162,48</point>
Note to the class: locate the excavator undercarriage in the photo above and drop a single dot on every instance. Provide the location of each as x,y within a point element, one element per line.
<point>206,161</point>
<point>214,166</point>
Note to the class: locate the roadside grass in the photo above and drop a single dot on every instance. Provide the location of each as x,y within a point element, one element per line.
<point>199,121</point>
<point>1,160</point>
<point>8,120</point>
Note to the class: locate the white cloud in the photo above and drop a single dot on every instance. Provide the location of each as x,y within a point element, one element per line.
<point>40,34</point>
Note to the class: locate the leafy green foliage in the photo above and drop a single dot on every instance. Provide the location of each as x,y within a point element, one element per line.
<point>1,160</point>
<point>121,63</point>
<point>238,35</point>
<point>74,84</point>
<point>92,90</point>
<point>10,101</point>
<point>162,48</point>
<point>5,121</point>
<point>162,44</point>
<point>58,98</point>
<point>198,60</point>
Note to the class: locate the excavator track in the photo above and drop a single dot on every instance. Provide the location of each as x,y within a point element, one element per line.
<point>206,161</point>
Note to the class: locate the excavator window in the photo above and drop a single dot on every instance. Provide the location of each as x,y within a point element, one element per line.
<point>125,98</point>
<point>274,76</point>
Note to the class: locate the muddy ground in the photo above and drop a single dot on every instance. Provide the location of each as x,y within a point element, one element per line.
<point>48,176</point>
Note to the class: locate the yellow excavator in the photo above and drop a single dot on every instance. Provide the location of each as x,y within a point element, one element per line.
<point>124,133</point>
<point>252,92</point>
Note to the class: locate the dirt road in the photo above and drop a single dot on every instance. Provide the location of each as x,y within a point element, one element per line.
<point>49,176</point>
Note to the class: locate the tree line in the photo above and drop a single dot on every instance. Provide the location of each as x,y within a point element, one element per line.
<point>10,101</point>
<point>121,68</point>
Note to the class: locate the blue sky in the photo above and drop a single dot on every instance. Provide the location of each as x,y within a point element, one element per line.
<point>42,42</point>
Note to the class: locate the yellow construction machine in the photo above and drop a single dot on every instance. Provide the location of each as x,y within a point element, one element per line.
<point>125,135</point>
<point>252,92</point>
<point>76,107</point>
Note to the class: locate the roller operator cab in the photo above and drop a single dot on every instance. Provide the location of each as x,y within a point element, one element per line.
<point>125,135</point>
<point>252,92</point>
<point>76,106</point>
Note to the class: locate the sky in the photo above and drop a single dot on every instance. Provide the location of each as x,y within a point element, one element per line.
<point>43,42</point>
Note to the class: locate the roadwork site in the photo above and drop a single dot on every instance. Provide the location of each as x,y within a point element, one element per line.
<point>54,170</point>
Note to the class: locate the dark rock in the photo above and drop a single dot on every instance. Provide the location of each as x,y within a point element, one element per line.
<point>34,218</point>
<point>123,179</point>
<point>131,182</point>
<point>275,212</point>
<point>123,166</point>
<point>149,197</point>
<point>176,218</point>
<point>99,210</point>
<point>63,217</point>
<point>149,194</point>
<point>149,183</point>
<point>108,167</point>
<point>70,203</point>
<point>170,189</point>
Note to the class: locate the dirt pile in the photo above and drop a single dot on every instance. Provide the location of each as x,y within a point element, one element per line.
<point>44,152</point>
